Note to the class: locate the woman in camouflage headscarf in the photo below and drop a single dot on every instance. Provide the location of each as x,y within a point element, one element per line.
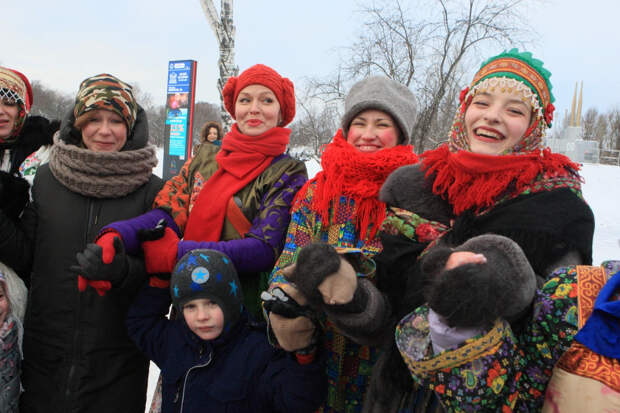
<point>77,355</point>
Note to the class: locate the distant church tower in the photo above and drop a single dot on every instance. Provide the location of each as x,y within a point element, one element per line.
<point>575,117</point>
<point>574,130</point>
<point>572,141</point>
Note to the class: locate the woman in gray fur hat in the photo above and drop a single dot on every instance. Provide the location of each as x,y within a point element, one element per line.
<point>338,210</point>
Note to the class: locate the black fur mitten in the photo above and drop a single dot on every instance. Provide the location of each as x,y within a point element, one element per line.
<point>314,264</point>
<point>474,295</point>
<point>13,194</point>
<point>329,282</point>
<point>407,188</point>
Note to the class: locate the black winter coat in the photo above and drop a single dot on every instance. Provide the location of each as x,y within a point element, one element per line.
<point>77,354</point>
<point>36,132</point>
<point>238,372</point>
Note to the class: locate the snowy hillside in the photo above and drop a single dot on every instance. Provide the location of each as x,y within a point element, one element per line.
<point>602,192</point>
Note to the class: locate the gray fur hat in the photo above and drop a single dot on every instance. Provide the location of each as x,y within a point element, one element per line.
<point>209,274</point>
<point>384,94</point>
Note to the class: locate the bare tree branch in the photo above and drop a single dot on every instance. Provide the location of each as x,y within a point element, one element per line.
<point>427,45</point>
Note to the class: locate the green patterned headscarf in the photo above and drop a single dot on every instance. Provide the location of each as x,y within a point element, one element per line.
<point>517,72</point>
<point>107,92</point>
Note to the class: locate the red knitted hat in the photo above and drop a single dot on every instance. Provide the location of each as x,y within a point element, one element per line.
<point>266,76</point>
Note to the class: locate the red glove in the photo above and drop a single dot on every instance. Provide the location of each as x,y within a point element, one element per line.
<point>158,281</point>
<point>106,242</point>
<point>101,286</point>
<point>160,255</point>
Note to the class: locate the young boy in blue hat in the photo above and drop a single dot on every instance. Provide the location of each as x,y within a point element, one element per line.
<point>212,358</point>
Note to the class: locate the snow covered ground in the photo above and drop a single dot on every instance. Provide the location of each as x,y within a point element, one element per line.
<point>601,190</point>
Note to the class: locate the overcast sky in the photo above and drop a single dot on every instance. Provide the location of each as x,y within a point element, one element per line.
<point>64,41</point>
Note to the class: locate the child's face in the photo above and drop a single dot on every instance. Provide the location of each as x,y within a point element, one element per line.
<point>496,121</point>
<point>4,304</point>
<point>204,317</point>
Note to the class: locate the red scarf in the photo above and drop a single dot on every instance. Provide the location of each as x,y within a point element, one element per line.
<point>467,179</point>
<point>358,176</point>
<point>241,159</point>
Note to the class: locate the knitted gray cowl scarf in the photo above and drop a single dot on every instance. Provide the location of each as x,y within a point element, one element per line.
<point>101,174</point>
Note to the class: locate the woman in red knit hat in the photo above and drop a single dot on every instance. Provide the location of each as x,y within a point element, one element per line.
<point>236,202</point>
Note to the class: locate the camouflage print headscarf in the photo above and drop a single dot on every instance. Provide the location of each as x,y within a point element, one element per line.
<point>107,92</point>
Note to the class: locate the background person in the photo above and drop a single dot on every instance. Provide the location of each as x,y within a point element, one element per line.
<point>210,136</point>
<point>211,132</point>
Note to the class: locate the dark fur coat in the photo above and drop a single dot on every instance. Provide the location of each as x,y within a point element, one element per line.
<point>36,132</point>
<point>548,226</point>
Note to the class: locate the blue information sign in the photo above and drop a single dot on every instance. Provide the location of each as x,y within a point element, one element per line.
<point>179,114</point>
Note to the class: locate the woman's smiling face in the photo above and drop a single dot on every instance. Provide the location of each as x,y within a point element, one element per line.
<point>496,121</point>
<point>372,130</point>
<point>257,110</point>
<point>8,117</point>
<point>105,131</point>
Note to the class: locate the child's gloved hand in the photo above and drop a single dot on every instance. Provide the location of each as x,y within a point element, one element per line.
<point>160,245</point>
<point>101,265</point>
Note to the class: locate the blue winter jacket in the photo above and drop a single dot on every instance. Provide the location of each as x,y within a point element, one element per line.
<point>237,372</point>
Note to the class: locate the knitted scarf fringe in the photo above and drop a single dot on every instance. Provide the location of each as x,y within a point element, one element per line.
<point>465,188</point>
<point>101,174</point>
<point>358,177</point>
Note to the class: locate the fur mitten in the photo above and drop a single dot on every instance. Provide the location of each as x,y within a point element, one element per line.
<point>323,276</point>
<point>407,188</point>
<point>474,295</point>
<point>13,194</point>
<point>329,282</point>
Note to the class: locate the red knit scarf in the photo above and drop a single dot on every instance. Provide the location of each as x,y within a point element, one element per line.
<point>467,179</point>
<point>359,177</point>
<point>241,159</point>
